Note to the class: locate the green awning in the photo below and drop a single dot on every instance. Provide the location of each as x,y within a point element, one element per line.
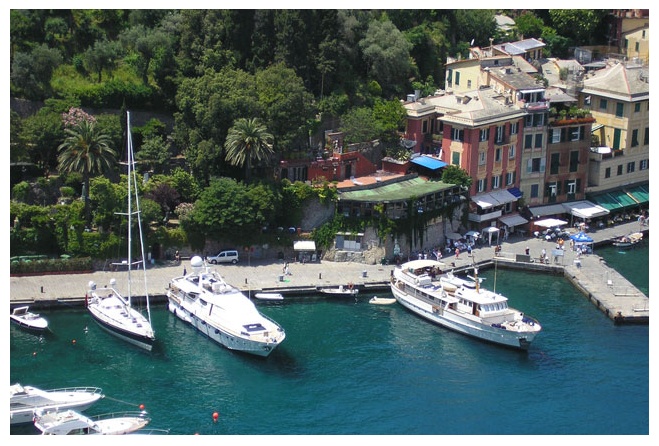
<point>606,200</point>
<point>640,193</point>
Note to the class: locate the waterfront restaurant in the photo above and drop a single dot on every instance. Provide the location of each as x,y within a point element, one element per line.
<point>396,195</point>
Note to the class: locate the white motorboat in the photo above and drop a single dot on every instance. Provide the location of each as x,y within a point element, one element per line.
<point>113,311</point>
<point>24,400</point>
<point>70,422</point>
<point>375,300</point>
<point>350,290</point>
<point>222,312</point>
<point>628,241</point>
<point>22,317</point>
<point>420,287</point>
<point>269,296</point>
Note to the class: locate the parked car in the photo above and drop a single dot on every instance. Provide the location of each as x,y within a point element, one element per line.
<point>229,256</point>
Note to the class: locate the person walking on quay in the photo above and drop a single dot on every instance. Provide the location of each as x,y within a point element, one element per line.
<point>457,253</point>
<point>527,251</point>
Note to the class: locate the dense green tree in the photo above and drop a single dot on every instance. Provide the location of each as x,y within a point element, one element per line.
<point>286,104</point>
<point>232,211</point>
<point>186,185</point>
<point>39,136</point>
<point>154,155</point>
<point>31,72</point>
<point>578,24</point>
<point>389,116</point>
<point>359,126</point>
<point>86,150</point>
<point>208,106</point>
<point>102,56</point>
<point>529,25</point>
<point>388,53</point>
<point>453,174</point>
<point>248,142</point>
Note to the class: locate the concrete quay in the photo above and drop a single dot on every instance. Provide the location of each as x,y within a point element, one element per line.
<point>603,286</point>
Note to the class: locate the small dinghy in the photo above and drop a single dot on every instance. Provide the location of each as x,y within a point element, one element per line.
<point>22,317</point>
<point>269,296</point>
<point>375,300</point>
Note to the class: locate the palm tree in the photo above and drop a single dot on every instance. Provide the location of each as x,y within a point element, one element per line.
<point>248,140</point>
<point>86,150</point>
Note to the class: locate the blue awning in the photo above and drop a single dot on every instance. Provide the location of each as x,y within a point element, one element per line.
<point>429,162</point>
<point>515,191</point>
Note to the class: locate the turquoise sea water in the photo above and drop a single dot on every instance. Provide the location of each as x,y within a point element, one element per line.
<point>348,367</point>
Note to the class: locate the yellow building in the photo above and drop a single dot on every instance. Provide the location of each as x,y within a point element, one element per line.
<point>618,98</point>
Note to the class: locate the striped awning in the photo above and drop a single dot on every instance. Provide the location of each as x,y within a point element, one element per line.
<point>613,200</point>
<point>640,193</point>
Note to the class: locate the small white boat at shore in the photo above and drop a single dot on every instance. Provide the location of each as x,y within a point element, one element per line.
<point>269,296</point>
<point>70,422</point>
<point>628,241</point>
<point>375,300</point>
<point>350,290</point>
<point>25,400</point>
<point>22,317</point>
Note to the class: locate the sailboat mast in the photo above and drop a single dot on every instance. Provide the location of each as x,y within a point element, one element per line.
<point>139,220</point>
<point>129,160</point>
<point>137,212</point>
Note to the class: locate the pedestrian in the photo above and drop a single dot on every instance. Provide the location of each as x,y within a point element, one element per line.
<point>527,251</point>
<point>177,256</point>
<point>457,253</point>
<point>469,250</point>
<point>185,272</point>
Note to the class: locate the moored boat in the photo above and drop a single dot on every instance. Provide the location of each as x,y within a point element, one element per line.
<point>113,311</point>
<point>375,300</point>
<point>628,241</point>
<point>222,312</point>
<point>349,290</point>
<point>421,288</point>
<point>269,296</point>
<point>70,422</point>
<point>27,320</point>
<point>24,400</point>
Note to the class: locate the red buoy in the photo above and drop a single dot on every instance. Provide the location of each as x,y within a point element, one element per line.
<point>141,406</point>
<point>215,416</point>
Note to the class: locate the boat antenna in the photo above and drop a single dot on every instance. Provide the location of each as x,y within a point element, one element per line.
<point>496,263</point>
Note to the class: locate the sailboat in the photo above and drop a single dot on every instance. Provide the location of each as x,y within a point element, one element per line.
<point>113,311</point>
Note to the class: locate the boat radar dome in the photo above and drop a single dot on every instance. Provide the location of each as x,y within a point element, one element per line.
<point>113,281</point>
<point>196,262</point>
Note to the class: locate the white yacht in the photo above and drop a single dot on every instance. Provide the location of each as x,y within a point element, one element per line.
<point>24,400</point>
<point>113,311</point>
<point>222,312</point>
<point>70,422</point>
<point>461,305</point>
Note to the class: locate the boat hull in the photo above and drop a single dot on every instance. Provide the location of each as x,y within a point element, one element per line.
<point>30,326</point>
<point>216,333</point>
<point>22,406</point>
<point>455,322</point>
<point>130,332</point>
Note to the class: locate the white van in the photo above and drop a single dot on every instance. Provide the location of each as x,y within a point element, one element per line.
<point>230,256</point>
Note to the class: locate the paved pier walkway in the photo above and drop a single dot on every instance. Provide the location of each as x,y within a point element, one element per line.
<point>607,289</point>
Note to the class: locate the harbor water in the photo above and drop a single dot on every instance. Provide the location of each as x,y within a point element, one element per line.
<point>352,368</point>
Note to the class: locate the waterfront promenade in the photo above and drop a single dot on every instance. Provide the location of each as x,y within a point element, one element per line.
<point>602,285</point>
